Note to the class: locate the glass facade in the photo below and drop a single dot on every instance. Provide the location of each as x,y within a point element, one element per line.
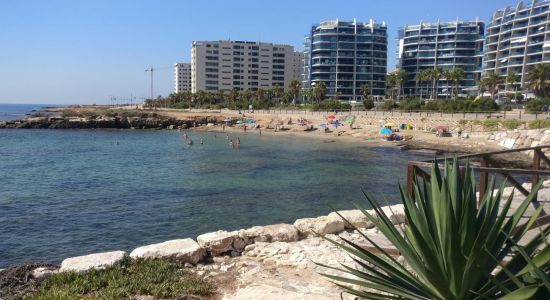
<point>517,39</point>
<point>444,45</point>
<point>345,56</point>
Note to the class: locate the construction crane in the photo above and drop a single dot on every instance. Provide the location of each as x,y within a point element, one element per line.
<point>152,70</point>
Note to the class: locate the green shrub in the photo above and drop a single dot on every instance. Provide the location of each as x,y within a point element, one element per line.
<point>368,104</point>
<point>157,278</point>
<point>511,123</point>
<point>387,105</point>
<point>411,104</point>
<point>451,249</point>
<point>490,124</point>
<point>537,124</point>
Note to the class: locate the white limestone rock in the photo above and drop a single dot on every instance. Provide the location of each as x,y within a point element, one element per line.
<point>396,213</point>
<point>217,242</point>
<point>271,233</point>
<point>356,217</point>
<point>320,225</point>
<point>97,261</point>
<point>186,250</point>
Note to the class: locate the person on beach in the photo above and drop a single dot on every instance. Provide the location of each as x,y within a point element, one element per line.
<point>260,131</point>
<point>223,127</point>
<point>238,142</point>
<point>227,136</point>
<point>545,108</point>
<point>244,128</point>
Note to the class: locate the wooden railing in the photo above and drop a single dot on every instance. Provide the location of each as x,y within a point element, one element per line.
<point>485,164</point>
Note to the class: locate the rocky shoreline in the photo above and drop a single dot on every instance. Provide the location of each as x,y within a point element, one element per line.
<point>215,253</point>
<point>123,121</point>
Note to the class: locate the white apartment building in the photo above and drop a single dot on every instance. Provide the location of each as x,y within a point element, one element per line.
<point>517,39</point>
<point>242,65</point>
<point>182,77</point>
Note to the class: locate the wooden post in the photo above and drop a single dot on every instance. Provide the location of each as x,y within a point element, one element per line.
<point>536,166</point>
<point>483,179</point>
<point>410,179</point>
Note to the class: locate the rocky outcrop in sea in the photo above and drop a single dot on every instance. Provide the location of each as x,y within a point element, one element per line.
<point>146,121</point>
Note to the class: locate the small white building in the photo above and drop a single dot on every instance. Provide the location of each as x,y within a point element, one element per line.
<point>182,77</point>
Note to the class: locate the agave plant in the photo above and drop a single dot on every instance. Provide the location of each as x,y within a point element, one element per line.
<point>452,248</point>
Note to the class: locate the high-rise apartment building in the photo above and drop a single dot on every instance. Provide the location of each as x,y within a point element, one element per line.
<point>517,39</point>
<point>444,45</point>
<point>242,65</point>
<point>182,77</point>
<point>346,56</point>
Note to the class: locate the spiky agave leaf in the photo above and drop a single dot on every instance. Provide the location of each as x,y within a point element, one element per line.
<point>450,245</point>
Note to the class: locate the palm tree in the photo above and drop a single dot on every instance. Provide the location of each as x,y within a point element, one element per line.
<point>490,82</point>
<point>423,77</point>
<point>365,91</point>
<point>511,81</point>
<point>539,79</point>
<point>457,75</point>
<point>294,89</point>
<point>391,82</point>
<point>400,79</point>
<point>435,75</point>
<point>278,93</point>
<point>448,75</point>
<point>320,91</point>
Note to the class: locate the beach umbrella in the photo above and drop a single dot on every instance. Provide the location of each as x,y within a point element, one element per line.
<point>385,131</point>
<point>331,117</point>
<point>323,125</point>
<point>390,125</point>
<point>239,122</point>
<point>441,127</point>
<point>337,124</point>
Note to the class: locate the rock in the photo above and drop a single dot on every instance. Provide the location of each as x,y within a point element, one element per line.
<point>217,242</point>
<point>171,127</point>
<point>396,213</point>
<point>43,272</point>
<point>271,233</point>
<point>239,244</point>
<point>210,125</point>
<point>320,225</point>
<point>508,143</point>
<point>356,217</point>
<point>186,250</point>
<point>96,260</point>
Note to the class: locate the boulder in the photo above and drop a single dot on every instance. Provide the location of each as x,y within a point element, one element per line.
<point>217,242</point>
<point>396,213</point>
<point>186,250</point>
<point>355,217</point>
<point>320,225</point>
<point>96,260</point>
<point>271,233</point>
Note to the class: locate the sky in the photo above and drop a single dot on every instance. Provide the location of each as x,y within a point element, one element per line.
<point>84,52</point>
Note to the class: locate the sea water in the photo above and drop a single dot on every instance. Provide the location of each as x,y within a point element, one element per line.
<point>73,192</point>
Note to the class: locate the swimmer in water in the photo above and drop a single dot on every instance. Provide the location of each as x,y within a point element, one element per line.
<point>202,142</point>
<point>190,142</point>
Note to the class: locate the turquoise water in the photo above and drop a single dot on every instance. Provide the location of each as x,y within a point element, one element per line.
<point>71,192</point>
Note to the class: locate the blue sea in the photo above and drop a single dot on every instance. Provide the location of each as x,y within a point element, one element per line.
<point>72,192</point>
<point>19,111</point>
